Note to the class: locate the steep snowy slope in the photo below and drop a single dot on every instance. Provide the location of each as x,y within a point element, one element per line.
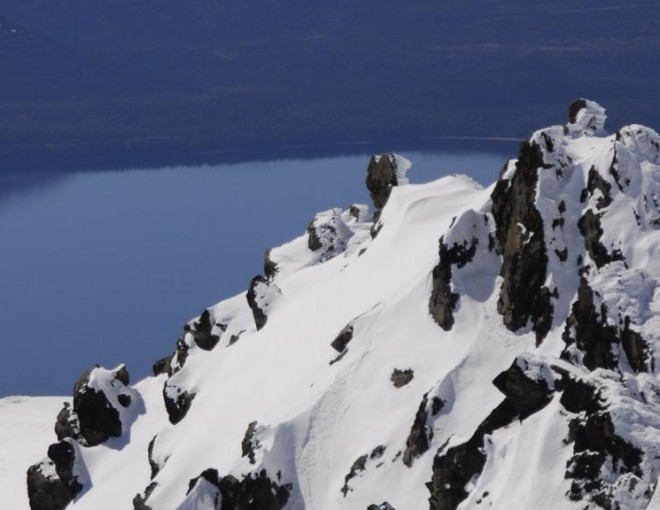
<point>459,347</point>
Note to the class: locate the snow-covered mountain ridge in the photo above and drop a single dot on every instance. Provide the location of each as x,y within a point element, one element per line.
<point>460,347</point>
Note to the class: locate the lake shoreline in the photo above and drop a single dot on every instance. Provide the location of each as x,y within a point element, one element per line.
<point>63,161</point>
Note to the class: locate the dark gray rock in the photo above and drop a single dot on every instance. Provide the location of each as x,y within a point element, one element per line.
<point>255,491</point>
<point>140,500</point>
<point>418,440</point>
<point>358,466</point>
<point>341,341</point>
<point>589,225</point>
<point>270,267</point>
<point>177,402</point>
<point>313,239</point>
<point>98,419</point>
<point>400,378</point>
<point>46,493</point>
<point>637,349</point>
<point>574,108</point>
<point>163,366</point>
<point>201,331</point>
<point>443,301</point>
<point>381,178</point>
<point>455,468</point>
<point>54,492</point>
<point>523,295</point>
<point>383,506</point>
<point>526,395</point>
<point>155,467</point>
<point>253,300</point>
<point>595,442</point>
<point>66,424</point>
<point>588,329</point>
<point>249,444</point>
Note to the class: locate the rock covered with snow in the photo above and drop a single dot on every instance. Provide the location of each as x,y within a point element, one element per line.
<point>488,348</point>
<point>100,398</point>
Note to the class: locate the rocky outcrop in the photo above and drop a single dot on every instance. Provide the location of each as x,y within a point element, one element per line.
<point>202,331</point>
<point>253,492</point>
<point>524,298</point>
<point>250,444</point>
<point>383,173</point>
<point>443,300</point>
<point>340,343</point>
<point>587,330</point>
<point>527,390</point>
<point>455,468</point>
<point>400,378</point>
<point>270,266</point>
<point>162,366</point>
<point>329,233</point>
<point>98,397</point>
<point>360,466</point>
<point>260,297</point>
<point>525,384</point>
<point>140,500</point>
<point>383,506</point>
<point>177,401</point>
<point>418,440</point>
<point>590,228</point>
<point>52,484</point>
<point>597,448</point>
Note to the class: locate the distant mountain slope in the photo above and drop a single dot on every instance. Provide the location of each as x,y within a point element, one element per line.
<point>186,79</point>
<point>462,347</point>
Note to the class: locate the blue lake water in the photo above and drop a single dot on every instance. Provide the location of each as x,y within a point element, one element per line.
<point>106,267</point>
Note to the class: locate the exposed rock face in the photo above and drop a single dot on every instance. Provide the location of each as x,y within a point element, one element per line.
<point>162,366</point>
<point>270,267</point>
<point>454,469</point>
<point>420,434</point>
<point>525,385</point>
<point>360,466</point>
<point>201,331</point>
<point>587,328</point>
<point>329,234</point>
<point>253,492</point>
<point>340,343</point>
<point>443,300</point>
<point>383,506</point>
<point>97,397</point>
<point>155,467</point>
<point>400,378</point>
<point>250,444</point>
<point>140,500</point>
<point>597,448</point>
<point>52,484</point>
<point>67,424</point>
<point>520,240</point>
<point>383,173</point>
<point>590,228</point>
<point>177,401</point>
<point>98,419</point>
<point>260,297</point>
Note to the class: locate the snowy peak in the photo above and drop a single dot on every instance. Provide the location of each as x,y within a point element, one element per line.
<point>461,347</point>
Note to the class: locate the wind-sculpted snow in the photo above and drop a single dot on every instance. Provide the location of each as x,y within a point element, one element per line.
<point>462,348</point>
